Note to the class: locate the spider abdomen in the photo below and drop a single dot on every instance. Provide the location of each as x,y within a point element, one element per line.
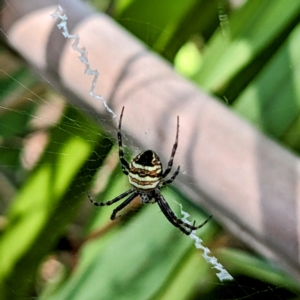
<point>145,171</point>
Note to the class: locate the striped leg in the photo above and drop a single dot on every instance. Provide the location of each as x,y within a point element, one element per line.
<point>166,209</point>
<point>125,165</point>
<point>122,205</point>
<point>170,215</point>
<point>165,182</point>
<point>170,164</point>
<point>113,200</point>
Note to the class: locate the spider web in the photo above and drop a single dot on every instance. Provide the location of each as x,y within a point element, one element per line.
<point>223,274</point>
<point>44,112</point>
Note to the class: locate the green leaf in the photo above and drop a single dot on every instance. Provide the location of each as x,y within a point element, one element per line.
<point>240,262</point>
<point>168,24</point>
<point>137,262</point>
<point>256,28</point>
<point>192,271</point>
<point>272,100</point>
<point>48,202</point>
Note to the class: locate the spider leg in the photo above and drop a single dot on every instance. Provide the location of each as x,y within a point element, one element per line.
<point>170,163</point>
<point>165,182</point>
<point>170,215</point>
<point>122,205</point>
<point>194,226</point>
<point>166,209</point>
<point>125,165</point>
<point>202,224</point>
<point>111,201</point>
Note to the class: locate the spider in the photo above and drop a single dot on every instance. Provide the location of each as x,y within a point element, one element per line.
<point>146,175</point>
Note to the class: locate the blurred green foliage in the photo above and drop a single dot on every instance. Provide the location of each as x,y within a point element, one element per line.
<point>245,55</point>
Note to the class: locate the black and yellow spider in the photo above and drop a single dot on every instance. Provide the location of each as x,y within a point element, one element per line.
<point>145,174</point>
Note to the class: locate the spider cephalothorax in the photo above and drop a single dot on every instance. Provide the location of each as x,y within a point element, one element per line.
<point>146,175</point>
